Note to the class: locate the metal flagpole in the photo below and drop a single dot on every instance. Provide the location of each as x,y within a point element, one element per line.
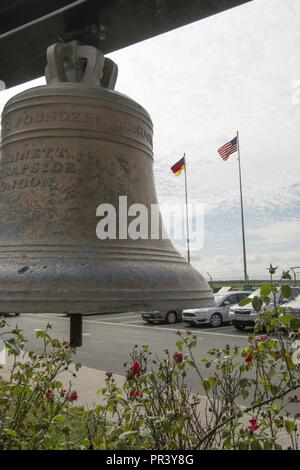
<point>242,210</point>
<point>187,214</point>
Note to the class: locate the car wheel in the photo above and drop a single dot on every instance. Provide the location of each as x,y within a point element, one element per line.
<point>216,320</point>
<point>171,318</point>
<point>239,327</point>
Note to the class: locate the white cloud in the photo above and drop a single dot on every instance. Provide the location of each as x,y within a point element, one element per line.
<point>230,266</point>
<point>281,233</point>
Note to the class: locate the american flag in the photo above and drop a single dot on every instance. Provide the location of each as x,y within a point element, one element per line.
<point>226,150</point>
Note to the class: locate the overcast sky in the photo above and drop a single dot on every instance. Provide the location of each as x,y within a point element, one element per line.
<point>200,83</point>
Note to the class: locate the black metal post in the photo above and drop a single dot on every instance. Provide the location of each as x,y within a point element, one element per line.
<point>75,329</point>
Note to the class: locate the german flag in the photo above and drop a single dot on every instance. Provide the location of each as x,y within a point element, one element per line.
<point>178,167</point>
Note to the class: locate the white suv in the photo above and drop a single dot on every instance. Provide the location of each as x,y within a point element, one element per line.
<point>241,317</point>
<point>218,313</point>
<point>295,306</point>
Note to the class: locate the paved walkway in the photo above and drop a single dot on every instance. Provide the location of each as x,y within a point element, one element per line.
<point>87,382</point>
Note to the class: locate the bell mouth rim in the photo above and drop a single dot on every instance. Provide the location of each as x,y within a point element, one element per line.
<point>75,89</point>
<point>66,285</point>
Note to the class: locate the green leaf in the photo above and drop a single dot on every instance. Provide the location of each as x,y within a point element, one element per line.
<point>11,344</point>
<point>272,269</point>
<point>244,302</point>
<point>295,323</point>
<point>290,426</point>
<point>266,290</point>
<point>286,275</point>
<point>274,390</point>
<point>266,300</point>
<point>255,445</point>
<point>40,333</point>
<point>257,303</point>
<point>127,434</point>
<point>243,382</point>
<point>206,384</point>
<point>227,443</point>
<point>268,445</point>
<point>243,445</point>
<point>60,419</point>
<point>286,292</point>
<point>287,319</point>
<point>11,432</point>
<point>226,433</point>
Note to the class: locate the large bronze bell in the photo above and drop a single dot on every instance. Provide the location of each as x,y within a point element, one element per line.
<point>67,147</point>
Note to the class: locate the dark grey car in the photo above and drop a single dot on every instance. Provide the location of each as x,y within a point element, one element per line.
<point>168,316</point>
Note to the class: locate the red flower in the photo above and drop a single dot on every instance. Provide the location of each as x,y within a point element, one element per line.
<point>249,359</point>
<point>262,338</point>
<point>134,394</point>
<point>136,369</point>
<point>178,357</point>
<point>73,396</point>
<point>108,374</point>
<point>49,394</point>
<point>172,415</point>
<point>254,426</point>
<point>295,399</point>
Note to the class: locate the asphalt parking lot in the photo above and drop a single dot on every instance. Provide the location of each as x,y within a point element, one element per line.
<point>108,339</point>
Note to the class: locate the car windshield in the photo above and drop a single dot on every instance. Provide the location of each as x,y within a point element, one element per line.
<point>256,293</point>
<point>219,297</point>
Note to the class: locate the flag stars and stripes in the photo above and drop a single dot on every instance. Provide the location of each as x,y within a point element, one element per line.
<point>228,149</point>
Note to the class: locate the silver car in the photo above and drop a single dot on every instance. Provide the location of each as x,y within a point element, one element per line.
<point>218,313</point>
<point>168,316</point>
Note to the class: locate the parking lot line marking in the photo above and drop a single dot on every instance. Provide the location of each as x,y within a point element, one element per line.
<point>151,327</point>
<point>128,315</point>
<point>139,322</point>
<point>118,318</point>
<point>223,327</point>
<point>174,330</point>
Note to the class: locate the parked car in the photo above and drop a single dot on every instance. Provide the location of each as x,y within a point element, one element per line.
<point>294,305</point>
<point>218,313</point>
<point>168,316</point>
<point>241,317</point>
<point>8,314</point>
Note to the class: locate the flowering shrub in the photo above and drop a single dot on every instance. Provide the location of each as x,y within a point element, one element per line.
<point>165,414</point>
<point>251,394</point>
<point>156,409</point>
<point>35,410</point>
